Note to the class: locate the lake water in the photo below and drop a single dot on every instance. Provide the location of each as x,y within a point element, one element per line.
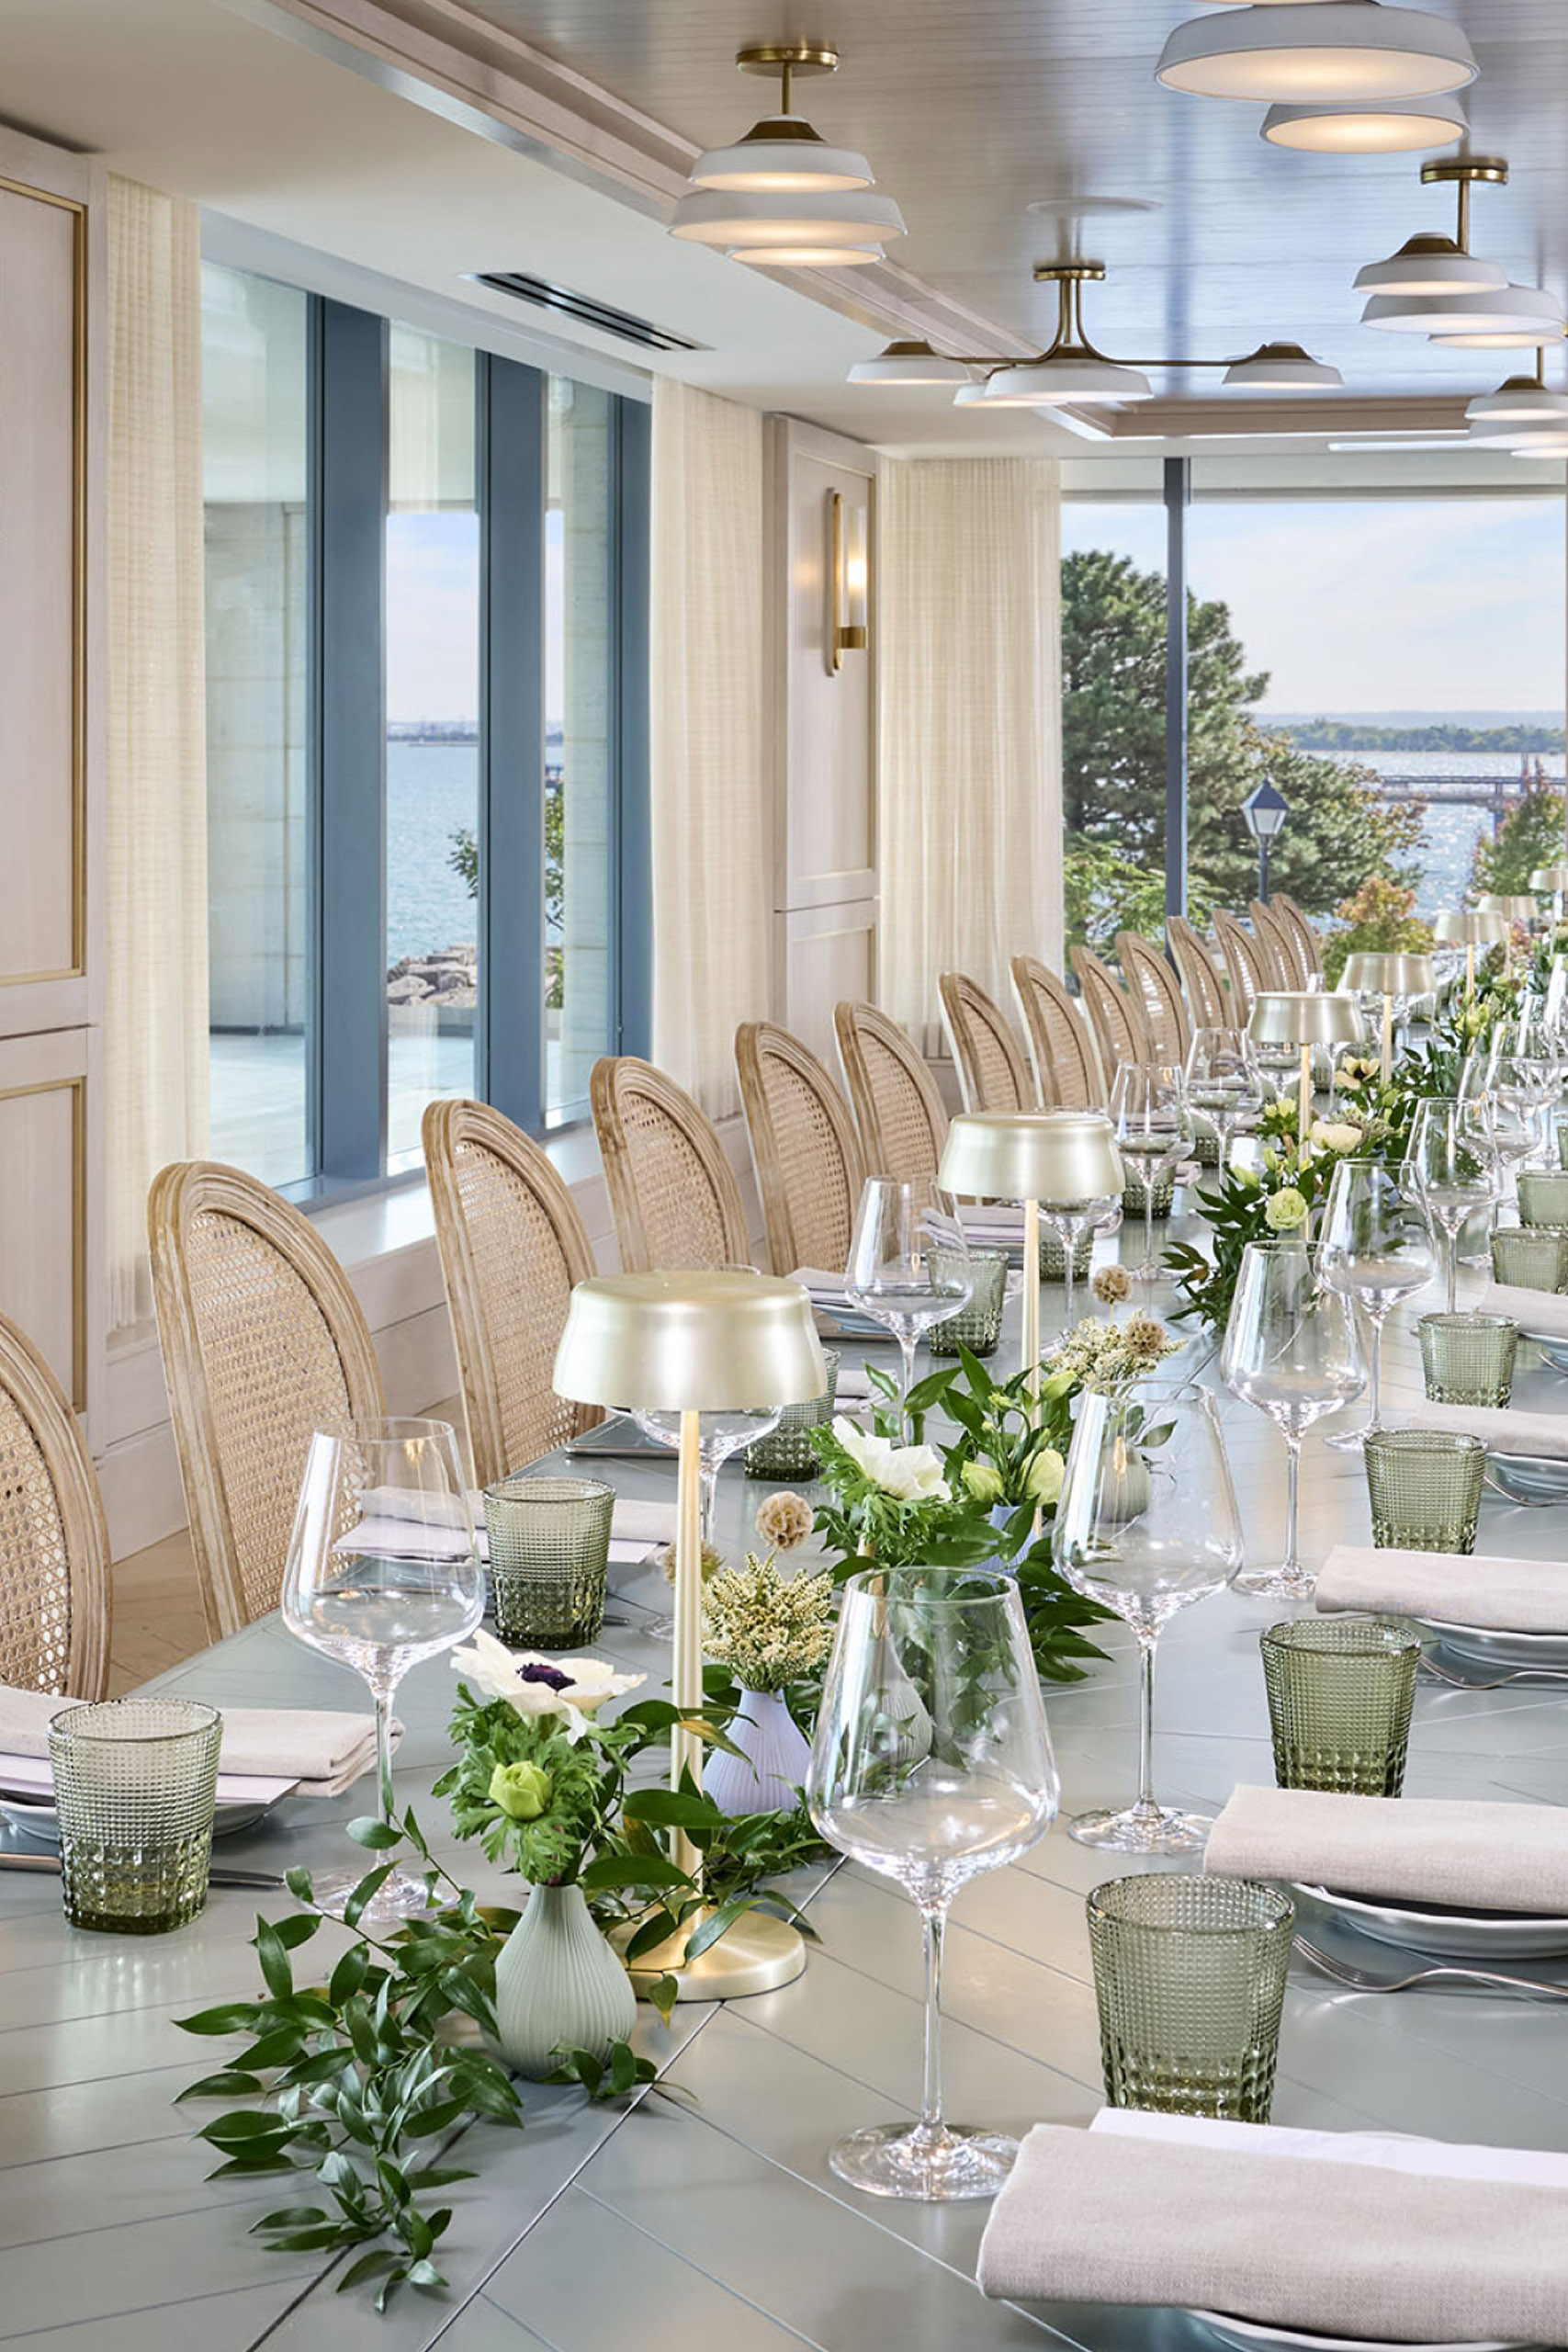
<point>1448,835</point>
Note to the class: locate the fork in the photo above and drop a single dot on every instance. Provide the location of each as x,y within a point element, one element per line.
<point>1437,1673</point>
<point>1363,1981</point>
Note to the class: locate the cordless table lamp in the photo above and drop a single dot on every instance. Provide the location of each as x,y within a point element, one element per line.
<point>1470,932</point>
<point>1307,1018</point>
<point>1396,977</point>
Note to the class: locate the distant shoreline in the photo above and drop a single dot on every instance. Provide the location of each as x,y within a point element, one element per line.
<point>1516,741</point>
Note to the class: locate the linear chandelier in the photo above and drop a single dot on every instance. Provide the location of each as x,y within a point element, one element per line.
<point>1315,51</point>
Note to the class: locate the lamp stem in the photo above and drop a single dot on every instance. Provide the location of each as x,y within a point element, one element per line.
<point>1304,1115</point>
<point>1470,968</point>
<point>1031,1296</point>
<point>685,1748</point>
<point>1386,1064</point>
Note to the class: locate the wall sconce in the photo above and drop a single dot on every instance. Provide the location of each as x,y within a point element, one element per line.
<point>849,581</point>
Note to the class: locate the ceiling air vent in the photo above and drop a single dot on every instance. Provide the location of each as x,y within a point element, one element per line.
<point>584,310</point>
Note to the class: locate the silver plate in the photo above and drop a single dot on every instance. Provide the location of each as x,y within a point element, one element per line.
<point>1552,1346</point>
<point>1528,1477</point>
<point>1497,1646</point>
<point>38,1822</point>
<point>1444,1931</point>
<point>1252,2331</point>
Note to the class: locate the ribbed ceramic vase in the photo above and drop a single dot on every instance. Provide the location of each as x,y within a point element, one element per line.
<point>775,1752</point>
<point>558,1982</point>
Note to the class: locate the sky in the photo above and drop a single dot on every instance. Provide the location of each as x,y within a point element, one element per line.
<point>432,616</point>
<point>1441,605</point>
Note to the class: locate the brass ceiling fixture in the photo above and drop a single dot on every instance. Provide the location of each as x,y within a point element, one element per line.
<point>1438,264</point>
<point>1435,286</point>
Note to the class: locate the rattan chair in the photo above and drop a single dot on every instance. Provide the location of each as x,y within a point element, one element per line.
<point>993,1073</point>
<point>901,1118</point>
<point>1207,1004</point>
<point>1307,937</point>
<point>804,1149</point>
<point>1061,1045</point>
<point>1151,980</point>
<point>263,1343</point>
<point>1249,975</point>
<point>674,1195</point>
<point>1121,1030</point>
<point>1279,939</point>
<point>54,1546</point>
<point>512,1246</point>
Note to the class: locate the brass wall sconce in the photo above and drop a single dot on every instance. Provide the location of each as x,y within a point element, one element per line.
<point>849,581</point>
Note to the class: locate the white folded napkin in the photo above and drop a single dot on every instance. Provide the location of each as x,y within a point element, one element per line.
<point>1338,2238</point>
<point>1482,1857</point>
<point>636,1530</point>
<point>1532,1310</point>
<point>822,1288</point>
<point>1513,1596</point>
<point>1502,1429</point>
<point>313,1750</point>
<point>854,1384</point>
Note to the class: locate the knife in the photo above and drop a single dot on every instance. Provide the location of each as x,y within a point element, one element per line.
<point>52,1864</point>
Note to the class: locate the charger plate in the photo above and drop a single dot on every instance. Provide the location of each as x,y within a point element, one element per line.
<point>1251,2331</point>
<point>1443,1930</point>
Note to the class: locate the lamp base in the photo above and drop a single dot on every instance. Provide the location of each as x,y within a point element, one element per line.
<point>758,1954</point>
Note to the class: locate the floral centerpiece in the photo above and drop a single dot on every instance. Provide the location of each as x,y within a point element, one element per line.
<point>770,1630</point>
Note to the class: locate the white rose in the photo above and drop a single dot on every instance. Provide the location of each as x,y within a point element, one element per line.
<point>1336,1135</point>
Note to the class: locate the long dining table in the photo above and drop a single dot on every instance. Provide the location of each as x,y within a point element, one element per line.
<point>712,2217</point>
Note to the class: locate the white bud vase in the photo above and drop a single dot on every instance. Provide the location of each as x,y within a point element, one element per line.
<point>774,1753</point>
<point>558,1982</point>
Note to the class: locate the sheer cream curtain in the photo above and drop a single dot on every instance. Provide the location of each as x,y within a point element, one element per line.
<point>155,997</point>
<point>969,659</point>
<point>710,894</point>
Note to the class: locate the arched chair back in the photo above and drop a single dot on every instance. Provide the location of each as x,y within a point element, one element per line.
<point>993,1073</point>
<point>804,1149</point>
<point>1308,939</point>
<point>1249,974</point>
<point>1061,1044</point>
<point>1279,940</point>
<point>1207,1004</point>
<point>512,1246</point>
<point>901,1118</point>
<point>1150,978</point>
<point>263,1343</point>
<point>54,1546</point>
<point>674,1199</point>
<point>1121,1030</point>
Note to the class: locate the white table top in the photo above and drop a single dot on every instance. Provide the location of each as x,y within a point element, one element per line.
<point>718,2221</point>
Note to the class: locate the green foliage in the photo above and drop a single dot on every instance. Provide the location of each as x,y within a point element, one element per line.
<point>1529,835</point>
<point>583,1783</point>
<point>463,857</point>
<point>1378,918</point>
<point>1353,735</point>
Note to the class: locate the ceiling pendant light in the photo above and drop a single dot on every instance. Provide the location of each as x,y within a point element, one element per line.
<point>1534,317</point>
<point>1072,369</point>
<point>1314,51</point>
<point>780,197</point>
<point>1545,448</point>
<point>908,363</point>
<point>1282,367</point>
<point>1523,400</point>
<point>1437,265</point>
<point>1391,126</point>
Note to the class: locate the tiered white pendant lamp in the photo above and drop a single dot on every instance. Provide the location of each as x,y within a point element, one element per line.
<point>1534,317</point>
<point>1435,286</point>
<point>1282,367</point>
<point>909,362</point>
<point>780,198</point>
<point>1353,127</point>
<point>1526,401</point>
<point>1307,52</point>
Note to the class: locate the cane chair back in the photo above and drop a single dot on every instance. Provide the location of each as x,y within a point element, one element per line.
<point>1117,1019</point>
<point>804,1149</point>
<point>993,1074</point>
<point>674,1199</point>
<point>1207,1004</point>
<point>1151,979</point>
<point>901,1118</point>
<point>54,1546</point>
<point>1249,974</point>
<point>1279,939</point>
<point>1307,935</point>
<point>263,1343</point>
<point>1061,1045</point>
<point>512,1246</point>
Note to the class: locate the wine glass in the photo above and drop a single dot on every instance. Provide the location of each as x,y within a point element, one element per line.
<point>1290,1349</point>
<point>1526,1073</point>
<point>1153,1131</point>
<point>892,1276</point>
<point>382,1571</point>
<point>1448,1166</point>
<point>1146,1523</point>
<point>1504,1129</point>
<point>1374,1246</point>
<point>1225,1088</point>
<point>932,1763</point>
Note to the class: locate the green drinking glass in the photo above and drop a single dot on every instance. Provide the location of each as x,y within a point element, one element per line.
<point>1425,1488</point>
<point>977,1326</point>
<point>787,1450</point>
<point>135,1781</point>
<point>1340,1691</point>
<point>549,1548</point>
<point>1532,1256</point>
<point>1469,1359</point>
<point>1189,1979</point>
<point>1543,1197</point>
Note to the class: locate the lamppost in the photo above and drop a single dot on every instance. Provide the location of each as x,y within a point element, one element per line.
<point>1265,809</point>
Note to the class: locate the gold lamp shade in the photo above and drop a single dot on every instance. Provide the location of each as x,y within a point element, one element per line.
<point>1518,908</point>
<point>689,1341</point>
<point>1466,930</point>
<point>1388,973</point>
<point>1305,1017</point>
<point>1549,877</point>
<point>1053,1156</point>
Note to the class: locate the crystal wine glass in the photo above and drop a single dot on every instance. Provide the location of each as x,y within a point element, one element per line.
<point>932,1763</point>
<point>1153,1132</point>
<point>1225,1087</point>
<point>1448,1166</point>
<point>1146,1523</point>
<point>1497,1115</point>
<point>1290,1349</point>
<point>1527,1077</point>
<point>892,1276</point>
<point>382,1571</point>
<point>1374,1246</point>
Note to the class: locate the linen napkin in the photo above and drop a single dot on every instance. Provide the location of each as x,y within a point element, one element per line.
<point>316,1752</point>
<point>636,1529</point>
<point>1512,1595</point>
<point>1532,1310</point>
<point>1480,1856</point>
<point>1503,1430</point>
<point>1339,2238</point>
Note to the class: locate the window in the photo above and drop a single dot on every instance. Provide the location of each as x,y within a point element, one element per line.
<point>427,582</point>
<point>255,456</point>
<point>1114,656</point>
